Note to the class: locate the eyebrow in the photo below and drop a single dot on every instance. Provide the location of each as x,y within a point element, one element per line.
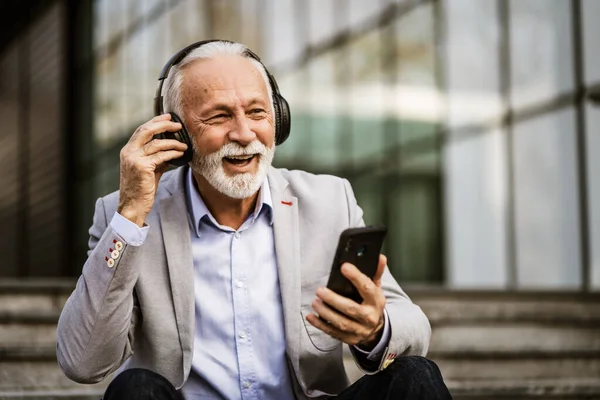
<point>222,106</point>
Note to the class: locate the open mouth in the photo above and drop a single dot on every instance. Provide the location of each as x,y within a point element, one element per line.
<point>240,161</point>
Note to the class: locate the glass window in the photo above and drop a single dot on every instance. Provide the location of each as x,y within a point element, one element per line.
<point>188,23</point>
<point>324,20</point>
<point>541,50</point>
<point>253,21</point>
<point>593,186</point>
<point>365,99</point>
<point>475,194</point>
<point>225,19</point>
<point>293,87</point>
<point>126,78</point>
<point>137,94</point>
<point>316,114</point>
<point>471,62</point>
<point>590,18</point>
<point>547,202</point>
<point>360,11</point>
<point>110,20</point>
<point>282,41</point>
<point>111,103</point>
<point>414,228</point>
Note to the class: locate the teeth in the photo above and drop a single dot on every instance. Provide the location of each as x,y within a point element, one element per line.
<point>245,157</point>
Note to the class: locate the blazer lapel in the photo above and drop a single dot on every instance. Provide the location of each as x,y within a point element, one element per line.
<point>176,235</point>
<point>287,248</point>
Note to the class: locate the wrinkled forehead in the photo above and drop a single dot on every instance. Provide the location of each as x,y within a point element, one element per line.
<point>225,73</point>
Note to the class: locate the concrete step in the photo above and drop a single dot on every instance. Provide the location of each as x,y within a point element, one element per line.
<point>556,389</point>
<point>504,385</point>
<point>31,376</point>
<point>463,307</point>
<point>487,343</point>
<point>38,296</point>
<point>28,335</point>
<point>52,395</point>
<point>510,337</point>
<point>516,367</point>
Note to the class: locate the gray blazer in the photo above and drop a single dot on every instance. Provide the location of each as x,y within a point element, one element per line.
<point>140,311</point>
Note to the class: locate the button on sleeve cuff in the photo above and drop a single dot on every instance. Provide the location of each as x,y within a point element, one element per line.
<point>132,234</point>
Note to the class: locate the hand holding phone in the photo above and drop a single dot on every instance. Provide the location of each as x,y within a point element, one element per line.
<point>335,310</point>
<point>360,247</point>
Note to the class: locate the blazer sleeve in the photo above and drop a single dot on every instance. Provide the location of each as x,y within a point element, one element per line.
<point>96,325</point>
<point>410,328</point>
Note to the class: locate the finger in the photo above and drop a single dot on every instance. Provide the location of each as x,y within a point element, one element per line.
<point>339,321</point>
<point>331,330</point>
<point>163,156</point>
<point>161,117</point>
<point>156,145</point>
<point>365,286</point>
<point>341,304</point>
<point>144,133</point>
<point>380,270</point>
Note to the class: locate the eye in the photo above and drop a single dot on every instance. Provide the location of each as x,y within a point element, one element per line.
<point>257,112</point>
<point>217,117</point>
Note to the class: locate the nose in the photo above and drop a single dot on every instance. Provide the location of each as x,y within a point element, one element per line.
<point>241,131</point>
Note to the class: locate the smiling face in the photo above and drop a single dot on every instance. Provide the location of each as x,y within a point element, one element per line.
<point>228,114</point>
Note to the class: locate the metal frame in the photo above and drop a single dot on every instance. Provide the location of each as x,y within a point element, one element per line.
<point>508,119</point>
<point>579,74</point>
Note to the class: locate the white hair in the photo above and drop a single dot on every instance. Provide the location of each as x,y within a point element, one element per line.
<point>172,92</point>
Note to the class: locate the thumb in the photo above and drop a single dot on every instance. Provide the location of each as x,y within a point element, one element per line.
<point>380,269</point>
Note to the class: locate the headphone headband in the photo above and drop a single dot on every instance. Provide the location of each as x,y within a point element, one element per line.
<point>181,54</point>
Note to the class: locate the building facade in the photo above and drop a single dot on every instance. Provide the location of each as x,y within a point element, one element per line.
<point>465,126</point>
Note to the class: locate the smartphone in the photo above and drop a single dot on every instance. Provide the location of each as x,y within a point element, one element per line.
<point>360,247</point>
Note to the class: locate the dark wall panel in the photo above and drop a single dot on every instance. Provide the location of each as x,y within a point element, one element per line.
<point>9,172</point>
<point>32,184</point>
<point>45,148</point>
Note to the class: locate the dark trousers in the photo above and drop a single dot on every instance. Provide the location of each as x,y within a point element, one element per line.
<point>407,378</point>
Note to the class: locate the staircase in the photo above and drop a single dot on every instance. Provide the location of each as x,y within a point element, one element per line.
<point>28,369</point>
<point>488,345</point>
<point>514,345</point>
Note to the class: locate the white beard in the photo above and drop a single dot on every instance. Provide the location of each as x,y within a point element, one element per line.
<point>239,186</point>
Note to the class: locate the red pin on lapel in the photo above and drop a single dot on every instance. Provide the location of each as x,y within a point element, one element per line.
<point>287,203</point>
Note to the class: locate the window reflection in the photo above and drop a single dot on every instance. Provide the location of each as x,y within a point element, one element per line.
<point>541,48</point>
<point>371,98</point>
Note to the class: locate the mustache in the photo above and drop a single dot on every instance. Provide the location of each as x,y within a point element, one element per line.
<point>235,149</point>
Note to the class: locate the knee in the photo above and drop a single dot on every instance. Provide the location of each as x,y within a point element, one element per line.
<point>141,384</point>
<point>415,367</point>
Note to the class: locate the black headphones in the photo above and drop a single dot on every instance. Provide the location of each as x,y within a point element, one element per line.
<point>280,105</point>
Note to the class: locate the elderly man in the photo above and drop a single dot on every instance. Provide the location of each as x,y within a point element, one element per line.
<point>212,275</point>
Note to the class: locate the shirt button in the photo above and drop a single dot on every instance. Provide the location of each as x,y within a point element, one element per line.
<point>246,384</point>
<point>115,254</point>
<point>243,335</point>
<point>240,284</point>
<point>237,235</point>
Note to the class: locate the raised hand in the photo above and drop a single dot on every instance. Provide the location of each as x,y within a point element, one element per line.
<point>143,161</point>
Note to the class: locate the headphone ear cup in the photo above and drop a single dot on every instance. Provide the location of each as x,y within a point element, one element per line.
<point>282,119</point>
<point>182,136</point>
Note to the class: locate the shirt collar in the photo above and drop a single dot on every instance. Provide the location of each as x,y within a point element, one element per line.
<point>197,208</point>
